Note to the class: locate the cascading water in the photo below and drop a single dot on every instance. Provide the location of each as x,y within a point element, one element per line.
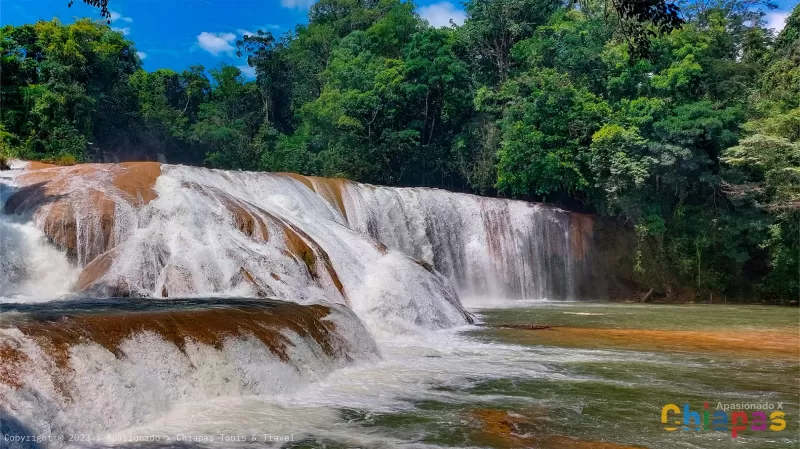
<point>198,232</point>
<point>488,247</point>
<point>29,266</point>
<point>380,261</point>
<point>84,366</point>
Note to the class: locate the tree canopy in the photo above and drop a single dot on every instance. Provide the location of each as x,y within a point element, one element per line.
<point>694,144</point>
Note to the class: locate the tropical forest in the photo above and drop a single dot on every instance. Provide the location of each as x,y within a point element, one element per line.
<point>687,137</point>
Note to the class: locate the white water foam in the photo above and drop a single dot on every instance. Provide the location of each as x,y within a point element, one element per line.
<point>188,230</point>
<point>103,392</point>
<point>31,269</point>
<point>187,242</point>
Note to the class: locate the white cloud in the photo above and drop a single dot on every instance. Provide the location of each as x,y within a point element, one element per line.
<point>216,43</point>
<point>777,20</point>
<point>244,32</point>
<point>299,4</point>
<point>440,14</point>
<point>247,71</point>
<point>125,31</point>
<point>142,55</point>
<point>117,16</point>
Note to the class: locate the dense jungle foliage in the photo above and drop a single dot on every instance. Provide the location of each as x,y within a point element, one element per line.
<point>695,146</point>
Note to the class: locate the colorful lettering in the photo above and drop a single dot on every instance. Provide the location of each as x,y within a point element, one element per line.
<point>741,419</point>
<point>664,419</point>
<point>719,422</point>
<point>758,421</point>
<point>733,417</point>
<point>690,417</point>
<point>778,423</point>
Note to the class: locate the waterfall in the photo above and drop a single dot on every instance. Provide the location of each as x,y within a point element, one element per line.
<point>94,372</point>
<point>328,265</point>
<point>487,247</point>
<point>146,230</point>
<point>399,257</point>
<point>29,265</point>
<point>151,230</point>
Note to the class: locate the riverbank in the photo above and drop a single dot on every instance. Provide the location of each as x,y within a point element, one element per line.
<point>643,299</point>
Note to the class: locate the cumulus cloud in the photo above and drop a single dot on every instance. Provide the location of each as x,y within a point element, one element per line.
<point>244,32</point>
<point>125,31</point>
<point>299,4</point>
<point>440,14</point>
<point>117,16</point>
<point>142,55</point>
<point>247,71</point>
<point>777,20</point>
<point>216,43</point>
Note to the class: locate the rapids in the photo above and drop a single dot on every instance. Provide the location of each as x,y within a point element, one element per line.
<point>176,249</point>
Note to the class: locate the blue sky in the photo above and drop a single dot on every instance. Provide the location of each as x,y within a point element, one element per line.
<point>178,33</point>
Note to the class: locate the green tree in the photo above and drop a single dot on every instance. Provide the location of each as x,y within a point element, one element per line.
<point>228,122</point>
<point>547,126</point>
<point>494,27</point>
<point>763,170</point>
<point>65,86</point>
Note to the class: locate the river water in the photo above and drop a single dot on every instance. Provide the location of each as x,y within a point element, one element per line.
<point>385,329</point>
<point>598,379</point>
